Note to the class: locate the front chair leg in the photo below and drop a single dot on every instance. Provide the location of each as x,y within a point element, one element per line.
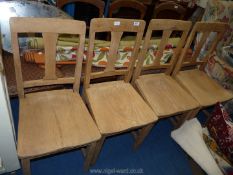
<point>89,155</point>
<point>98,147</point>
<point>26,166</point>
<point>142,133</point>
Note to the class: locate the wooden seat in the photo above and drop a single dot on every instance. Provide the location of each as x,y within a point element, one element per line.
<point>116,106</point>
<point>51,121</point>
<point>165,96</point>
<point>58,120</point>
<point>204,89</point>
<point>117,113</point>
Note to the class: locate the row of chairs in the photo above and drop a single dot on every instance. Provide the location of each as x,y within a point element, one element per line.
<point>131,9</point>
<point>58,120</point>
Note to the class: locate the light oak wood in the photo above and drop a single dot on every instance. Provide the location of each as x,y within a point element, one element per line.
<point>52,121</point>
<point>98,149</point>
<point>49,31</point>
<point>58,120</point>
<point>113,55</point>
<point>89,155</point>
<point>26,166</point>
<point>50,40</point>
<point>116,106</point>
<point>167,26</point>
<point>116,27</point>
<point>204,89</point>
<point>165,96</point>
<point>142,134</point>
<point>204,28</point>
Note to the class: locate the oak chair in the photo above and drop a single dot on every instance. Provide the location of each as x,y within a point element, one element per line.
<point>135,5</point>
<point>165,96</point>
<point>169,10</point>
<point>57,120</point>
<point>115,105</point>
<point>204,89</point>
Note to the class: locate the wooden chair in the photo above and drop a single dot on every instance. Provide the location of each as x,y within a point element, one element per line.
<point>204,89</point>
<point>58,120</point>
<point>115,105</point>
<point>135,5</point>
<point>99,4</point>
<point>169,10</point>
<point>165,96</point>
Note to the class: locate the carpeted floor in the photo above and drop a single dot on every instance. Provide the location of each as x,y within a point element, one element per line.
<point>158,155</point>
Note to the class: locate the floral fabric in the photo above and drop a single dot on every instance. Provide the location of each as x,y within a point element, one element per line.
<point>222,161</point>
<point>221,11</point>
<point>67,47</point>
<point>220,71</point>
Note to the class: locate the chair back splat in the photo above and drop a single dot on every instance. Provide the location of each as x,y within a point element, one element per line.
<point>167,26</point>
<point>216,29</point>
<point>116,27</point>
<point>50,34</point>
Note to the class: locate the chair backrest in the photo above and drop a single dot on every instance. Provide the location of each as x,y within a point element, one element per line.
<point>205,29</point>
<point>131,4</point>
<point>167,26</point>
<point>49,28</point>
<point>169,10</point>
<point>97,3</point>
<point>116,27</point>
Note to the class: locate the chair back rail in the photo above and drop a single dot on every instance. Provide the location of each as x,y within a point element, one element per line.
<point>49,28</point>
<point>205,28</point>
<point>116,27</point>
<point>167,26</point>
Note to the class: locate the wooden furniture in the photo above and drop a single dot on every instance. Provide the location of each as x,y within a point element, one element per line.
<point>58,120</point>
<point>136,9</point>
<point>115,105</point>
<point>165,96</point>
<point>204,89</point>
<point>98,4</point>
<point>169,10</point>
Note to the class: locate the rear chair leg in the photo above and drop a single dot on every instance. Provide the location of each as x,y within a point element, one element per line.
<point>187,116</point>
<point>89,155</point>
<point>26,166</point>
<point>142,133</point>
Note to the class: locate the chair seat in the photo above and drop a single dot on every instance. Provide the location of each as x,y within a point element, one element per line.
<point>52,121</point>
<point>204,89</point>
<point>117,107</point>
<point>165,95</point>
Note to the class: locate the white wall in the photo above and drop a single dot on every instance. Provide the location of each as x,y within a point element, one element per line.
<point>8,152</point>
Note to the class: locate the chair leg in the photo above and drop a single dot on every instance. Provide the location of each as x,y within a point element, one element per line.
<point>89,155</point>
<point>187,116</point>
<point>142,133</point>
<point>194,113</point>
<point>98,147</point>
<point>26,166</point>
